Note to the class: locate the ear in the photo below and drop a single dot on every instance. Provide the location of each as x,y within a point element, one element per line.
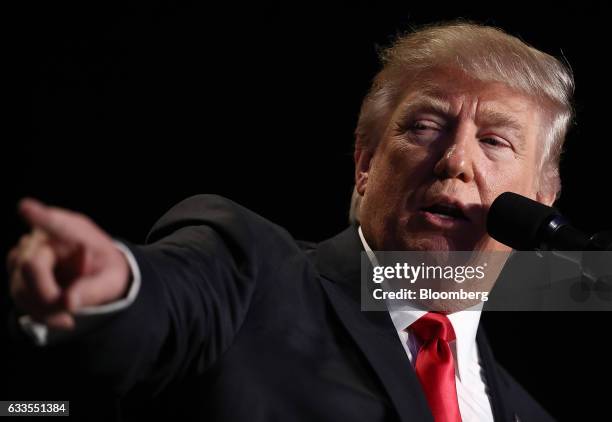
<point>546,197</point>
<point>547,185</point>
<point>363,159</point>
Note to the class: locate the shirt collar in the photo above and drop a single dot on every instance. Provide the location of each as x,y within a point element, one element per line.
<point>465,323</point>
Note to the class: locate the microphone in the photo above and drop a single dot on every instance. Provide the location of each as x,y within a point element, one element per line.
<point>525,224</point>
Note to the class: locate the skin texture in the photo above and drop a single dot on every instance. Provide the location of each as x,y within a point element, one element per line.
<point>64,264</point>
<point>451,138</point>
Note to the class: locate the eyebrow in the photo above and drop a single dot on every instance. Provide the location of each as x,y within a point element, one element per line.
<point>495,118</point>
<point>427,102</point>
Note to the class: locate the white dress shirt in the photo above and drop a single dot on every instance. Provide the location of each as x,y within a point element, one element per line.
<point>474,403</point>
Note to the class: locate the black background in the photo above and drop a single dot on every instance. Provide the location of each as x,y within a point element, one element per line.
<point>120,111</point>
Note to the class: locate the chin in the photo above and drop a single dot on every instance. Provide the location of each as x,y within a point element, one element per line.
<point>429,242</point>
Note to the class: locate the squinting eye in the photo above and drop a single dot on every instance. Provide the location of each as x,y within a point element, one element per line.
<point>494,142</point>
<point>420,126</point>
<point>423,130</point>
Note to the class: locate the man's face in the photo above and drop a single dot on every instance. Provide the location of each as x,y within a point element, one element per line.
<point>451,147</point>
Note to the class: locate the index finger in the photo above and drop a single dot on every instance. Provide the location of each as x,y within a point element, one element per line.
<point>56,222</point>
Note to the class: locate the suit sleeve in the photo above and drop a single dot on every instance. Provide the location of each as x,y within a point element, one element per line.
<point>204,265</point>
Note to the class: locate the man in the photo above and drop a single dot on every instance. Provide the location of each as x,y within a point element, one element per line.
<point>224,315</point>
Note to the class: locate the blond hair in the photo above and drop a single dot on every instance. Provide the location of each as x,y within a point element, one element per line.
<point>484,53</point>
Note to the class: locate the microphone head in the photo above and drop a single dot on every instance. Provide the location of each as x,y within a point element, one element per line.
<point>518,222</point>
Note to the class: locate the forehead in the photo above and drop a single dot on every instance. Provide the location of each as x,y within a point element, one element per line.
<point>453,93</point>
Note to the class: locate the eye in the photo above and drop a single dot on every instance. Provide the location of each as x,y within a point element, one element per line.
<point>495,142</point>
<point>421,126</point>
<point>421,130</point>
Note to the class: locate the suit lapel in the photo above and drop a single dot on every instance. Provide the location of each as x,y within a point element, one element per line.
<point>338,261</point>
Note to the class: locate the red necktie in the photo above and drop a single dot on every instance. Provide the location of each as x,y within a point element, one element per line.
<point>435,367</point>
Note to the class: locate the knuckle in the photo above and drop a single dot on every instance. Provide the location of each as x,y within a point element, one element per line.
<point>33,300</point>
<point>29,267</point>
<point>45,299</point>
<point>36,256</point>
<point>38,239</point>
<point>24,240</point>
<point>38,236</point>
<point>28,300</point>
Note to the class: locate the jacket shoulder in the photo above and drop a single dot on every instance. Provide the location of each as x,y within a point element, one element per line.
<point>226,217</point>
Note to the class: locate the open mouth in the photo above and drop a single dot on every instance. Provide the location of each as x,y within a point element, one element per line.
<point>446,211</point>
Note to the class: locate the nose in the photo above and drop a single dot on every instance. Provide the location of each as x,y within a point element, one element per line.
<point>456,161</point>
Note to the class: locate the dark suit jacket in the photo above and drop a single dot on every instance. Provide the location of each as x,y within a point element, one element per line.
<point>237,321</point>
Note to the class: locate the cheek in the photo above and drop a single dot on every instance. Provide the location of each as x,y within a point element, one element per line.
<point>406,166</point>
<point>396,173</point>
<point>494,179</point>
